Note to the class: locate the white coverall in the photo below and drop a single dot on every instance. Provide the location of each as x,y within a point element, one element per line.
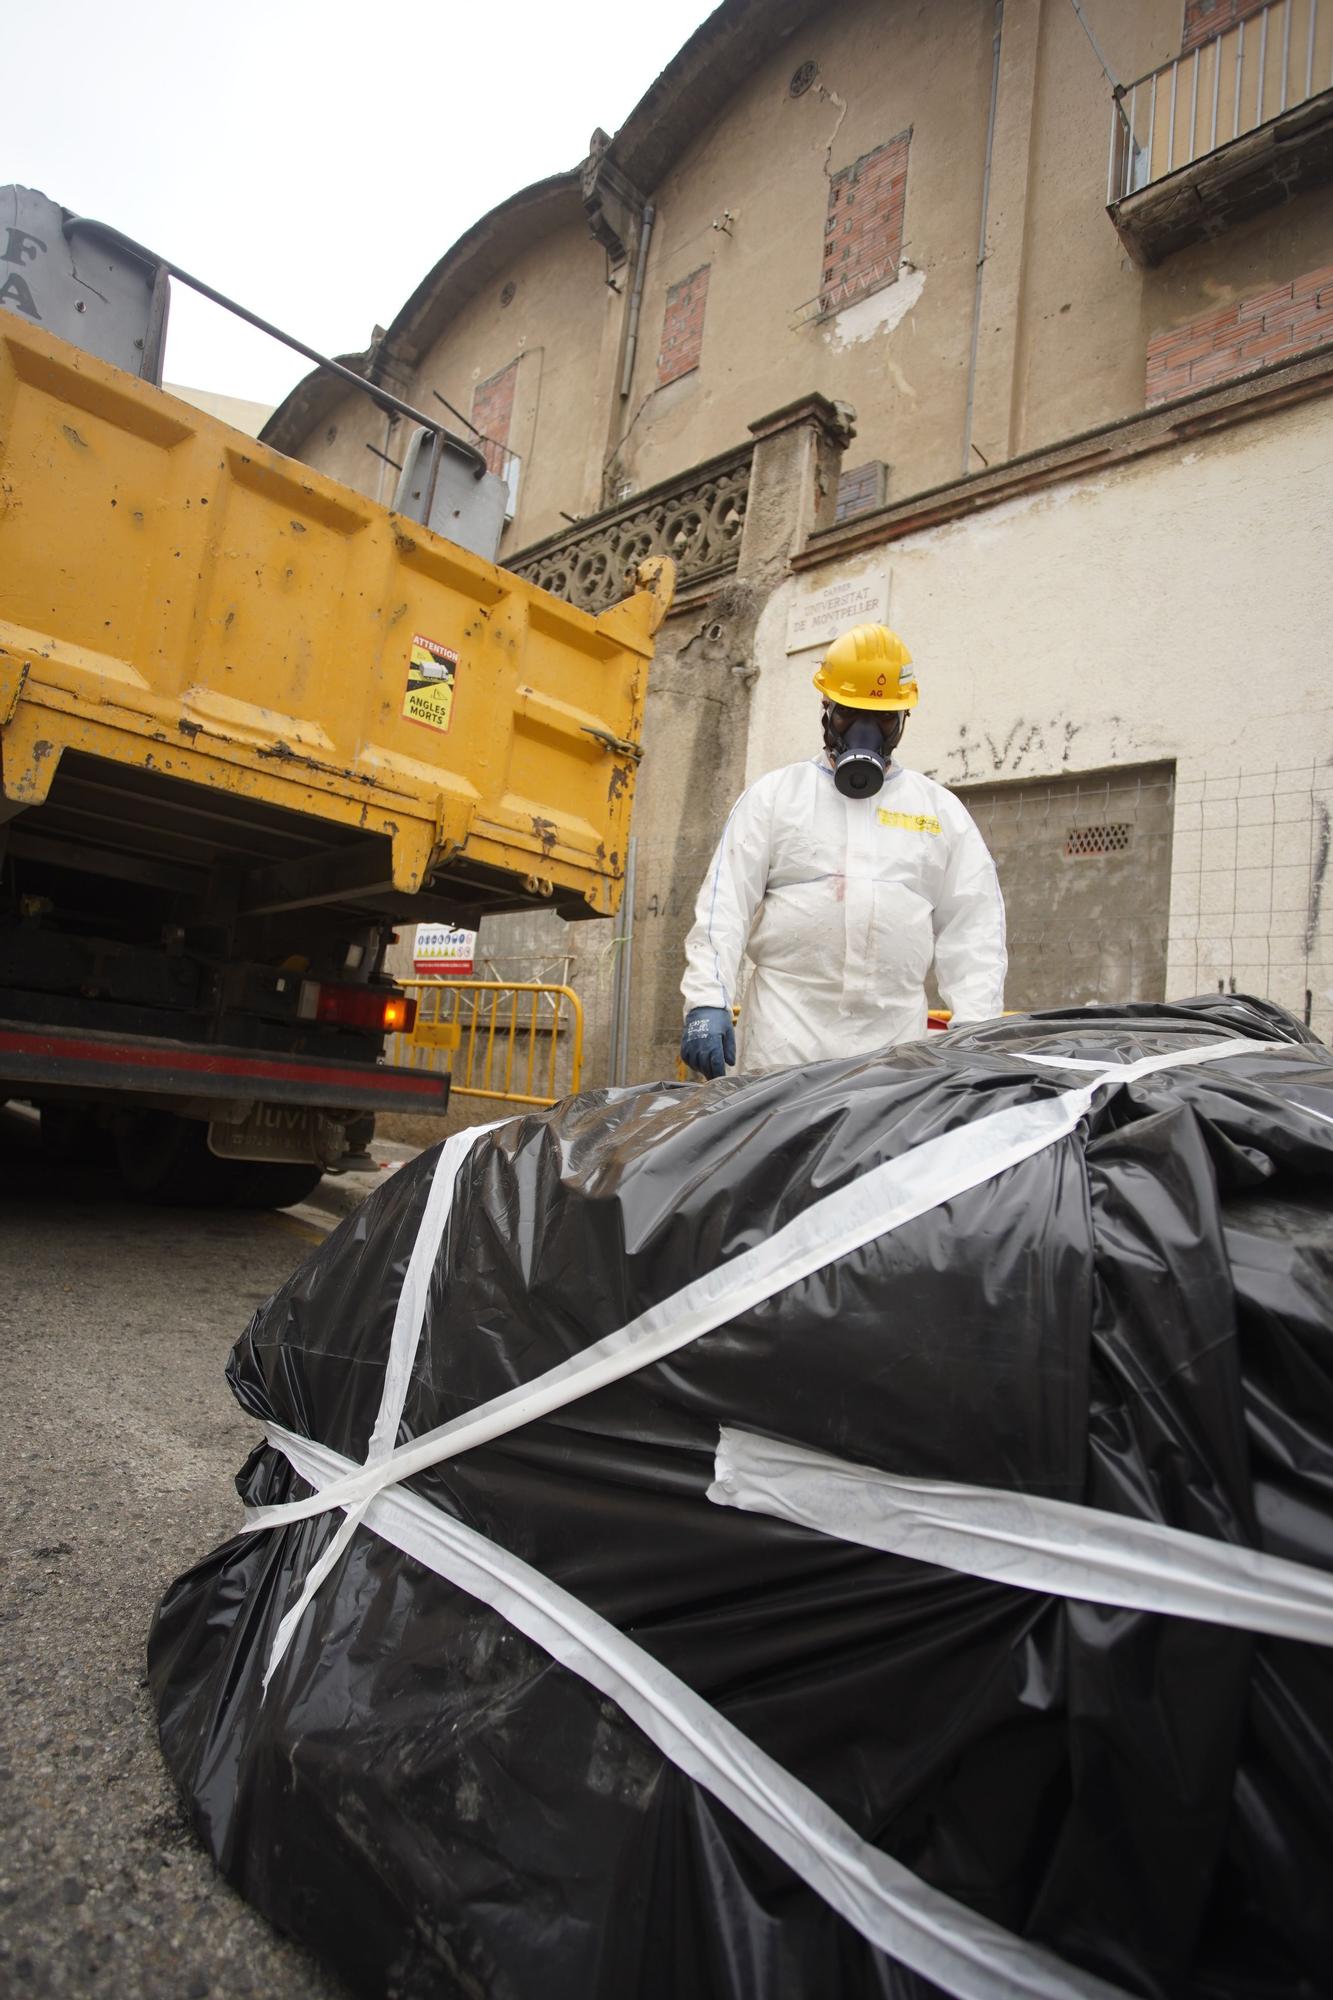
<point>840,905</point>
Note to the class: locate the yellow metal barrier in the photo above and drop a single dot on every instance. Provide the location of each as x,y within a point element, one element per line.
<point>495,1038</point>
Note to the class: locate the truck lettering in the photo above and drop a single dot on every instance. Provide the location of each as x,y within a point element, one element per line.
<point>20,248</point>
<point>15,292</point>
<point>280,1117</point>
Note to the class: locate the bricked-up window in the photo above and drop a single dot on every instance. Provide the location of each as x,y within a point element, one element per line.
<point>1205,19</point>
<point>1274,325</point>
<point>863,236</point>
<point>683,326</point>
<point>861,488</point>
<point>492,408</point>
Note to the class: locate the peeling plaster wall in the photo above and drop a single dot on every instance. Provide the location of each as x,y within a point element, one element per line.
<point>874,317</point>
<point>900,356</point>
<point>695,732</point>
<point>696,729</point>
<point>554,323</point>
<point>1065,316</point>
<point>1108,621</point>
<point>554,326</point>
<point>1176,608</point>
<point>1087,312</point>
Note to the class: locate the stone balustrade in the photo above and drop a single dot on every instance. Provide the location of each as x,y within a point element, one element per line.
<point>696,519</point>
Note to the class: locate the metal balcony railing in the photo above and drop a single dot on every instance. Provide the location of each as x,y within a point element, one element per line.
<point>1190,107</point>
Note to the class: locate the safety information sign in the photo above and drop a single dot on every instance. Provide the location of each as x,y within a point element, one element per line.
<point>441,951</point>
<point>430,683</point>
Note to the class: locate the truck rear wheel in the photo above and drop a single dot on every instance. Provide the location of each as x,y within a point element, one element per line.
<point>269,1183</point>
<point>72,1136</point>
<point>165,1159</point>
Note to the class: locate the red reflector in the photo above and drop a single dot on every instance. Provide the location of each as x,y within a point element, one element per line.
<point>366,1007</point>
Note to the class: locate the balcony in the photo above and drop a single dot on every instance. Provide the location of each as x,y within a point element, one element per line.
<point>696,519</point>
<point>1238,125</point>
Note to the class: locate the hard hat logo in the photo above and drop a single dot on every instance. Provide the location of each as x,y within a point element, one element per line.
<point>868,667</point>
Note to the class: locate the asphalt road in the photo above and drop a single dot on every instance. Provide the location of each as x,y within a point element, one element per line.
<point>121,1440</point>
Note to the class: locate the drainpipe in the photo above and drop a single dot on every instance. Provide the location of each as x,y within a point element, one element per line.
<point>981,240</point>
<point>636,299</point>
<point>626,959</point>
<point>617,1070</point>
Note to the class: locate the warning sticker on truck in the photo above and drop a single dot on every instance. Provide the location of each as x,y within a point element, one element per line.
<point>430,683</point>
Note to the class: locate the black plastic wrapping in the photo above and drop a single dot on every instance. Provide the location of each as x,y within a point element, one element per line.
<point>1139,1317</point>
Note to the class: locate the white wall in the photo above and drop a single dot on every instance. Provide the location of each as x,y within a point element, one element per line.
<point>1178,607</point>
<point>234,410</point>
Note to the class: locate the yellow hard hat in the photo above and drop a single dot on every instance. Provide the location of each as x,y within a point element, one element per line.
<point>868,667</point>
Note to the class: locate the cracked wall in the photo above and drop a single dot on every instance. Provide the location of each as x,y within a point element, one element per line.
<point>1064,323</point>
<point>765,172</point>
<point>1173,611</point>
<point>696,727</point>
<point>696,738</point>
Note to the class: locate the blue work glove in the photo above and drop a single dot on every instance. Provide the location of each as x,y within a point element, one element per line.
<point>709,1041</point>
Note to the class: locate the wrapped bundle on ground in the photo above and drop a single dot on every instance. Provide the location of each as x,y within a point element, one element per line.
<point>864,1530</point>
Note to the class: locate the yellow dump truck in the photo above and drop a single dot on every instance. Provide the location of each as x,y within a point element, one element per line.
<point>249,721</point>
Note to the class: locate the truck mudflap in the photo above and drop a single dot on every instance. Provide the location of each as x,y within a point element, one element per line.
<point>94,1060</point>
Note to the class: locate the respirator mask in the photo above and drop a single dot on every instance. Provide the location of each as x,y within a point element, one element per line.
<point>860,744</point>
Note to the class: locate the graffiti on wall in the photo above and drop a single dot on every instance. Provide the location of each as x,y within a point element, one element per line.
<point>1025,749</point>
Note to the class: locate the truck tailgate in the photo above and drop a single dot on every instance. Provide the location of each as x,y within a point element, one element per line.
<point>178,599</point>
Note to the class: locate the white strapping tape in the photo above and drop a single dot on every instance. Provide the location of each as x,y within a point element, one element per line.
<point>871,1206</point>
<point>879,1201</point>
<point>408,1320</point>
<point>892,1908</point>
<point>1172,1059</point>
<point>1026,1540</point>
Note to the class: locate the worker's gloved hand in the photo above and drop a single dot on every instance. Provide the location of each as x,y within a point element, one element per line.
<point>709,1041</point>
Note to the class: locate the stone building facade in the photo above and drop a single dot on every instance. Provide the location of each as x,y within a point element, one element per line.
<point>1014,322</point>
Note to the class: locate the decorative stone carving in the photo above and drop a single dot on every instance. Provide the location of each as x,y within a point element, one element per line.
<point>696,520</point>
<point>612,204</point>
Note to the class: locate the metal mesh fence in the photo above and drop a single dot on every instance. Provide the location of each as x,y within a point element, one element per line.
<point>1137,883</point>
<point>1249,911</point>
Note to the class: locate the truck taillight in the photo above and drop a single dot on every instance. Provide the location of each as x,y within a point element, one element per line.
<point>365,1007</point>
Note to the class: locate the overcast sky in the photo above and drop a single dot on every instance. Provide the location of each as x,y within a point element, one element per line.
<point>311,160</point>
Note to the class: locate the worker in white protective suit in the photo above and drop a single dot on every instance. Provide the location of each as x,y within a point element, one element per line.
<point>841,878</point>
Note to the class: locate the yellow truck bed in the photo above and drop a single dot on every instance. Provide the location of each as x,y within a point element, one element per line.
<point>377,712</point>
